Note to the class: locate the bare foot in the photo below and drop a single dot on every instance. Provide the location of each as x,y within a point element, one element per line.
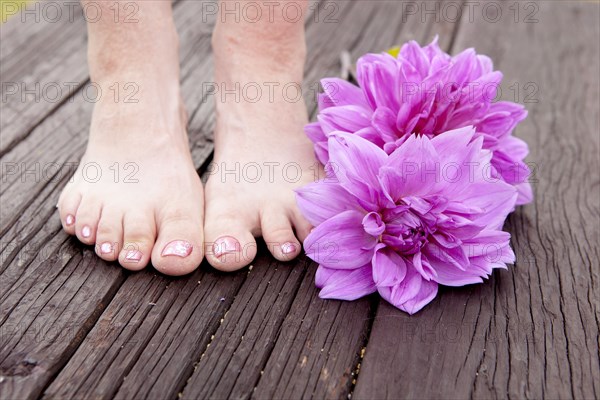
<point>136,195</point>
<point>261,155</point>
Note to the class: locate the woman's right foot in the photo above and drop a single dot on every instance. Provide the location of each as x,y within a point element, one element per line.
<point>136,195</point>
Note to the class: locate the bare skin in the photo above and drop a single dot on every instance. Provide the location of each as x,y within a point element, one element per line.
<point>264,134</point>
<point>148,205</point>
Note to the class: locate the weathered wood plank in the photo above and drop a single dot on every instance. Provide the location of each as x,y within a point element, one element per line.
<point>42,64</point>
<point>147,340</point>
<point>531,331</point>
<point>65,292</point>
<point>317,351</point>
<point>232,363</point>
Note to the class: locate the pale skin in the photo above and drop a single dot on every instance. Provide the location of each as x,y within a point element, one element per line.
<point>163,215</point>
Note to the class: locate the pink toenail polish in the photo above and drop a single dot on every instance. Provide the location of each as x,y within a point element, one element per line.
<point>133,255</point>
<point>106,248</point>
<point>226,245</point>
<point>69,220</point>
<point>288,248</point>
<point>179,248</point>
<point>86,232</point>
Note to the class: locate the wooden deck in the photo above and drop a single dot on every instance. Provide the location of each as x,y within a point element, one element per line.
<point>76,327</point>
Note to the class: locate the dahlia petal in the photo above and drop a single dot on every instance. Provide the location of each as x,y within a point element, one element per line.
<point>453,142</point>
<point>376,71</point>
<point>458,226</point>
<point>414,54</point>
<point>389,268</point>
<point>344,118</point>
<point>493,245</point>
<point>384,121</point>
<point>502,118</point>
<point>341,242</point>
<point>340,92</point>
<point>496,199</point>
<point>496,124</point>
<point>344,284</point>
<point>373,224</point>
<point>411,170</point>
<point>485,64</point>
<point>514,146</point>
<point>369,133</point>
<point>412,294</point>
<point>426,294</point>
<point>447,274</point>
<point>356,163</point>
<point>455,256</point>
<point>405,290</point>
<point>524,193</point>
<point>317,136</point>
<point>423,267</point>
<point>460,72</point>
<point>405,118</point>
<point>432,50</point>
<point>510,170</point>
<point>322,200</point>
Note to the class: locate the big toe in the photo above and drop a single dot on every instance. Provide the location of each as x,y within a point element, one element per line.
<point>179,246</point>
<point>229,243</point>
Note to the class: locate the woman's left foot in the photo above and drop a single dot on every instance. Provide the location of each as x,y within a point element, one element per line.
<point>261,156</point>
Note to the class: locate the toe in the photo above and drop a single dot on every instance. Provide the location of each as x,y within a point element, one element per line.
<point>138,240</point>
<point>178,249</point>
<point>67,209</point>
<point>86,220</point>
<point>109,236</point>
<point>279,235</point>
<point>229,243</point>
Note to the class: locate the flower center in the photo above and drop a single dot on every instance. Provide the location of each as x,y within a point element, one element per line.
<point>405,232</point>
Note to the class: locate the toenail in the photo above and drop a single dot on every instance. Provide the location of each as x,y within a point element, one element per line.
<point>105,248</point>
<point>69,220</point>
<point>86,232</point>
<point>179,248</point>
<point>288,248</point>
<point>133,255</point>
<point>225,245</point>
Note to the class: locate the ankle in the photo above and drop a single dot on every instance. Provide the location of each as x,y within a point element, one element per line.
<point>262,54</point>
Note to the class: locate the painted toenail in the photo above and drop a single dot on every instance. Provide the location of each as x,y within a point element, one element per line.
<point>288,248</point>
<point>86,232</point>
<point>179,248</point>
<point>133,255</point>
<point>226,245</point>
<point>69,220</point>
<point>105,248</point>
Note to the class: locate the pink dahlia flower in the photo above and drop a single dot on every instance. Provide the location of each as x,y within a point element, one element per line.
<point>425,91</point>
<point>429,213</point>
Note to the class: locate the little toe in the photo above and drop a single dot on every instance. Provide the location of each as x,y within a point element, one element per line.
<point>178,249</point>
<point>109,236</point>
<point>229,243</point>
<point>279,236</point>
<point>138,240</point>
<point>67,209</point>
<point>86,220</point>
